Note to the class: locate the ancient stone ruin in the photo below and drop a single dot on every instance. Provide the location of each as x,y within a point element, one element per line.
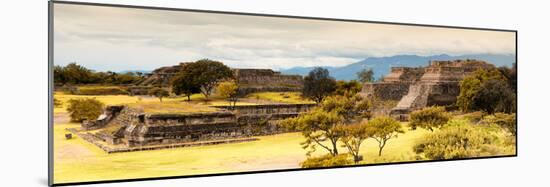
<point>131,127</point>
<point>249,80</point>
<point>415,88</point>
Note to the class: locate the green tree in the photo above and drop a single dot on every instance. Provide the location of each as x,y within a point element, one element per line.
<point>383,129</point>
<point>470,86</point>
<point>429,118</point>
<point>185,83</point>
<point>208,74</point>
<point>159,93</point>
<point>317,126</point>
<point>350,109</point>
<point>229,90</point>
<point>348,89</point>
<point>365,75</point>
<point>84,109</point>
<point>352,137</point>
<point>494,96</point>
<point>318,84</point>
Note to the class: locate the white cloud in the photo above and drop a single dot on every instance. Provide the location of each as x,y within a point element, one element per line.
<point>107,38</point>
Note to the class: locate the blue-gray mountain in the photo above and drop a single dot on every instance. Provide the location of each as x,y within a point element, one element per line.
<point>381,65</point>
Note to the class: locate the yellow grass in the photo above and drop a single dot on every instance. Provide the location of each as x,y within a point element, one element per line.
<point>291,97</point>
<point>152,104</point>
<point>77,160</point>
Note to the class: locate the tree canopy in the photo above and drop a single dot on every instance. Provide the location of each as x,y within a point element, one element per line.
<point>383,129</point>
<point>159,93</point>
<point>487,90</point>
<point>318,84</point>
<point>347,88</point>
<point>229,90</point>
<point>206,74</point>
<point>429,118</point>
<point>365,75</point>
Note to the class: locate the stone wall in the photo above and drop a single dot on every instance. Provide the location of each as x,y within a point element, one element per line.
<point>404,74</point>
<point>266,80</point>
<point>243,121</point>
<point>385,90</point>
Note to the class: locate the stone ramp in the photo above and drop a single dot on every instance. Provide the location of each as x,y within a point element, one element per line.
<point>417,97</point>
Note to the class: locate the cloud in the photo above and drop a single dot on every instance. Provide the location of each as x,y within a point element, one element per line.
<point>109,38</point>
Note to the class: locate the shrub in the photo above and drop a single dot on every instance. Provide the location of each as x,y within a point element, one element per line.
<point>429,118</point>
<point>101,90</point>
<point>159,93</point>
<point>84,109</point>
<point>57,103</point>
<point>474,117</point>
<point>505,121</point>
<point>326,161</point>
<point>460,139</point>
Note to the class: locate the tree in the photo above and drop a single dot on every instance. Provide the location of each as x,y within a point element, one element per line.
<point>159,92</point>
<point>57,103</point>
<point>365,75</point>
<point>318,84</point>
<point>350,109</point>
<point>494,96</point>
<point>352,138</point>
<point>84,109</point>
<point>207,74</point>
<point>429,118</point>
<point>383,129</point>
<point>347,89</point>
<point>317,126</point>
<point>471,84</point>
<point>185,83</point>
<point>229,90</point>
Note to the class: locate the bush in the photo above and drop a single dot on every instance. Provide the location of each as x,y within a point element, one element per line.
<point>57,103</point>
<point>505,121</point>
<point>101,90</point>
<point>84,109</point>
<point>474,117</point>
<point>327,161</point>
<point>429,118</point>
<point>460,139</point>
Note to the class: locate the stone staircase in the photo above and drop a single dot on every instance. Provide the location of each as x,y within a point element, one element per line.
<point>417,97</point>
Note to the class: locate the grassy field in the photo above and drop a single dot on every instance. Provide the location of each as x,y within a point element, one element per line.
<point>282,97</point>
<point>78,160</point>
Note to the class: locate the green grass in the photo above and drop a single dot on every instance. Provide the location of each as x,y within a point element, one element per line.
<point>282,97</point>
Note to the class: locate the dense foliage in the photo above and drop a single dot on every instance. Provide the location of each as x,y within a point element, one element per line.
<point>185,83</point>
<point>318,84</point>
<point>84,109</point>
<point>100,90</point>
<point>429,118</point>
<point>460,139</point>
<point>489,90</point>
<point>203,73</point>
<point>506,121</point>
<point>347,88</point>
<point>326,161</point>
<point>76,74</point>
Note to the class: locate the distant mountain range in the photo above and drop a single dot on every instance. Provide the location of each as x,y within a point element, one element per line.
<point>381,65</point>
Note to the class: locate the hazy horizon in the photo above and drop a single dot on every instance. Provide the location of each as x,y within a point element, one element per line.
<point>128,39</point>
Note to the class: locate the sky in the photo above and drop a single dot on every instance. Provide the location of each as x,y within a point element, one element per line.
<point>123,39</point>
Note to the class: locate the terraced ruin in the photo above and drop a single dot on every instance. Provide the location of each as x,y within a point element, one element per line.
<point>415,88</point>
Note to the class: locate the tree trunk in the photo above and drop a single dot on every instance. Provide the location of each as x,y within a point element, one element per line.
<point>334,148</point>
<point>188,98</point>
<point>380,151</point>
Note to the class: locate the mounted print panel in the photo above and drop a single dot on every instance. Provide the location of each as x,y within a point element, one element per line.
<point>154,93</point>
